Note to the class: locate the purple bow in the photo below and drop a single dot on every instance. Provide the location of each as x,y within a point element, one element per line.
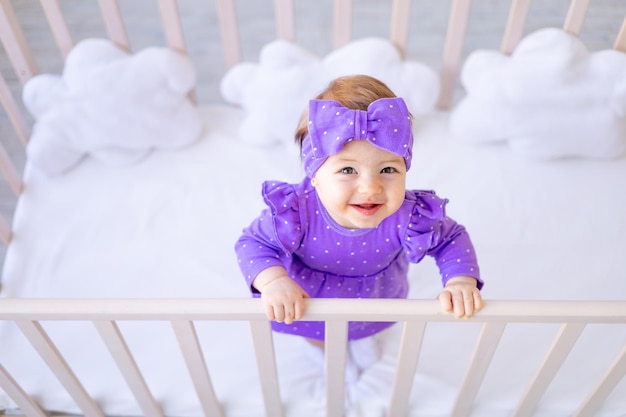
<point>386,124</point>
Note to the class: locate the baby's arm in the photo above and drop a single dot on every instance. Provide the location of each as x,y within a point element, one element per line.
<point>461,297</point>
<point>282,297</point>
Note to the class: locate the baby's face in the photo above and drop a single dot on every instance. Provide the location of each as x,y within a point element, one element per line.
<point>361,185</point>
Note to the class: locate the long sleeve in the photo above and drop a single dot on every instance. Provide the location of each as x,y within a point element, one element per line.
<point>274,234</point>
<point>431,232</point>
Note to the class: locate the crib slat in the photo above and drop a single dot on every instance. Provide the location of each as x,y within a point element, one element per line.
<point>14,43</point>
<point>114,23</point>
<point>266,363</point>
<point>10,172</point>
<point>455,35</point>
<point>515,25</point>
<point>481,358</point>
<point>566,338</point>
<point>611,378</point>
<point>230,31</point>
<point>400,16</point>
<point>190,347</point>
<point>26,404</point>
<point>620,42</point>
<point>114,341</point>
<point>42,343</point>
<point>170,17</point>
<point>172,26</point>
<point>408,357</point>
<point>285,20</point>
<point>7,167</point>
<point>5,230</point>
<point>576,16</point>
<point>336,346</point>
<point>15,115</point>
<point>58,25</point>
<point>342,23</point>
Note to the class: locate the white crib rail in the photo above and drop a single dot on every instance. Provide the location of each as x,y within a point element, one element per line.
<point>413,315</point>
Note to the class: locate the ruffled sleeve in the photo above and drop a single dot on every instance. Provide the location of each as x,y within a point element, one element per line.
<point>431,232</point>
<point>427,212</point>
<point>274,234</point>
<point>283,202</point>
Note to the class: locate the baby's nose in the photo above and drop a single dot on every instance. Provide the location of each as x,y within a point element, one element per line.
<point>369,185</point>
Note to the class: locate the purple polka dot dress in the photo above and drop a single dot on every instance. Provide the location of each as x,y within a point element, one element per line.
<point>330,261</point>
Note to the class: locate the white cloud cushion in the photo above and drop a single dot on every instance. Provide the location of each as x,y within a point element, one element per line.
<point>111,105</point>
<point>275,91</point>
<point>551,98</point>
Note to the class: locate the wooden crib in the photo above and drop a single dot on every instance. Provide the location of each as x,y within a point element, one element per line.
<point>572,318</point>
<point>567,319</point>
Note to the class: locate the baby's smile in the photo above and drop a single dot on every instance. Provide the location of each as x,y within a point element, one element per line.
<point>367,209</point>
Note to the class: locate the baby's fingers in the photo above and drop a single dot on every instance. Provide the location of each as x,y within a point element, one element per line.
<point>461,302</point>
<point>294,310</point>
<point>274,310</point>
<point>445,299</point>
<point>289,313</point>
<point>472,303</point>
<point>478,301</point>
<point>458,304</point>
<point>269,311</point>
<point>286,312</point>
<point>299,308</point>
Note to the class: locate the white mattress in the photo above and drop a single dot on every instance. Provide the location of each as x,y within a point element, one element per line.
<point>166,228</point>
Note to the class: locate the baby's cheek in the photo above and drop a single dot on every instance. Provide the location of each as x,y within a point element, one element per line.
<point>396,202</point>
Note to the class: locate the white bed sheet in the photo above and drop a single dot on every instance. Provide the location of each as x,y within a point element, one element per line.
<point>166,228</point>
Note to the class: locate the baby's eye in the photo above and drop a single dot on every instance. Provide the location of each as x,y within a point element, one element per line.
<point>388,170</point>
<point>348,170</point>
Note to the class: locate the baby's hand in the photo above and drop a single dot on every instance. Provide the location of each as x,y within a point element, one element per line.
<point>283,299</point>
<point>461,297</point>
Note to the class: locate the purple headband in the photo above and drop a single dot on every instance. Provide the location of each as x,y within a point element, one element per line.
<point>386,124</point>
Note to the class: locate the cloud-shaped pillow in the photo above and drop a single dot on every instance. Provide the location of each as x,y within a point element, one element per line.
<point>111,105</point>
<point>275,91</point>
<point>550,99</point>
